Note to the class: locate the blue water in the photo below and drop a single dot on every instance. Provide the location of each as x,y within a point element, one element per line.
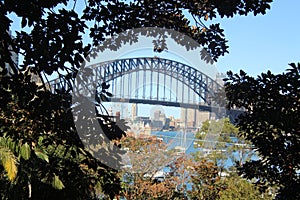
<point>174,139</point>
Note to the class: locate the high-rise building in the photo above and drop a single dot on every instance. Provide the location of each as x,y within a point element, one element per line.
<point>158,119</point>
<point>193,117</point>
<point>188,117</point>
<point>134,111</point>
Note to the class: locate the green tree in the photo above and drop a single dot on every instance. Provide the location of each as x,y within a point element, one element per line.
<point>225,126</point>
<point>229,128</point>
<point>208,184</point>
<point>238,188</point>
<point>271,123</point>
<point>204,126</point>
<point>238,150</point>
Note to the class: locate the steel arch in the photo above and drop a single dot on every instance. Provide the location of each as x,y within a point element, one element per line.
<point>200,83</point>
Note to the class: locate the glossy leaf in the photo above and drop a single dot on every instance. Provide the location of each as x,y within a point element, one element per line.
<point>25,151</point>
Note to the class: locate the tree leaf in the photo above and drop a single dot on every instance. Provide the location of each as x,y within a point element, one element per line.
<point>10,166</point>
<point>57,183</point>
<point>25,151</point>
<point>9,163</point>
<point>41,155</point>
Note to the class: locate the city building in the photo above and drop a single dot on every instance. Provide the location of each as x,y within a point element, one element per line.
<point>193,118</point>
<point>158,121</point>
<point>134,111</point>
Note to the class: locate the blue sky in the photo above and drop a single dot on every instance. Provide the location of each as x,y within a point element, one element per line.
<point>264,42</point>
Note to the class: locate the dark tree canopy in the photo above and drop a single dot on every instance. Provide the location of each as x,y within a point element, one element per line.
<point>271,122</point>
<point>47,159</point>
<point>43,156</point>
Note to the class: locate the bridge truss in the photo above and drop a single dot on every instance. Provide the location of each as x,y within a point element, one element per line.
<point>153,80</point>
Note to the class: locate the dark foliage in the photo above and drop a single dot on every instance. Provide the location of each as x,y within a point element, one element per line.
<point>37,125</point>
<point>272,124</point>
<point>44,121</point>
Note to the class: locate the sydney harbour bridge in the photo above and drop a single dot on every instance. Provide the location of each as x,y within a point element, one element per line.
<point>153,81</point>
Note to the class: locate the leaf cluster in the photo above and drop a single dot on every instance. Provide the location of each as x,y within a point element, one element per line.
<point>207,183</point>
<point>205,180</point>
<point>41,151</point>
<point>271,123</point>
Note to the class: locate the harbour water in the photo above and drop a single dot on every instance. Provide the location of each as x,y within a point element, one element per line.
<point>176,139</point>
